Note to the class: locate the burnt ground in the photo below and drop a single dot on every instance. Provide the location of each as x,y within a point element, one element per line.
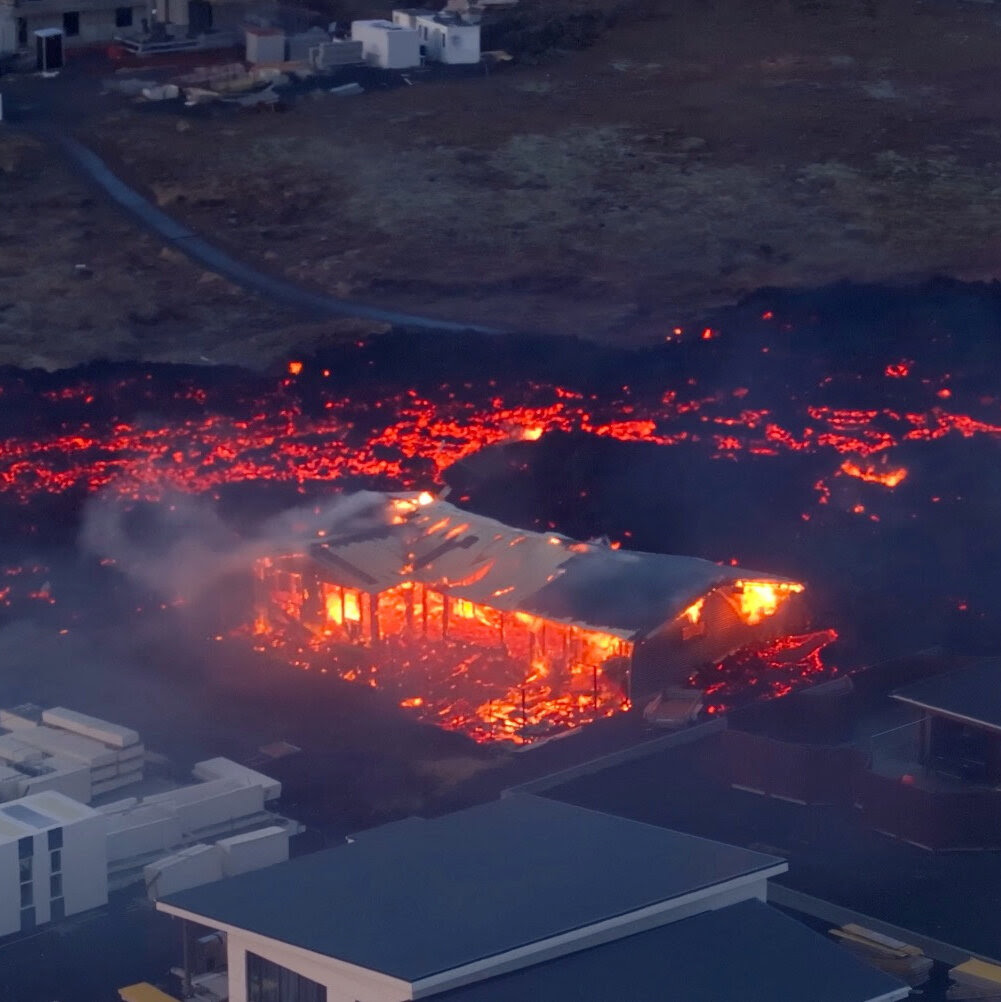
<point>693,153</point>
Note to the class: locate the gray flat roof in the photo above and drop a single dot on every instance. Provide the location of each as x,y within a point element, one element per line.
<point>749,952</point>
<point>972,694</point>
<point>428,898</point>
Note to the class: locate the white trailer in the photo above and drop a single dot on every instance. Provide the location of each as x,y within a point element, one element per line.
<point>387,45</point>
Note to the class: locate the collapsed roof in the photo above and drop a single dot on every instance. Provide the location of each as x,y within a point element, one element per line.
<point>418,538</point>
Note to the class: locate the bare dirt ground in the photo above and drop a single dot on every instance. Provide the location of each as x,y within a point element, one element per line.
<point>698,151</point>
<point>79,281</point>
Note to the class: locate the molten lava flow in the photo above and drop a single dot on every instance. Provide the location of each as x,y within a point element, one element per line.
<point>757,600</point>
<point>137,437</point>
<point>768,671</point>
<point>872,475</point>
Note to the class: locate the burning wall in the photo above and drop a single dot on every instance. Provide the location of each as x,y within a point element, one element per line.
<point>504,633</point>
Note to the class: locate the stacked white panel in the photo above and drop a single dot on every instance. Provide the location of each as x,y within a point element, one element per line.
<point>191,867</point>
<point>224,768</point>
<point>254,850</point>
<point>107,733</point>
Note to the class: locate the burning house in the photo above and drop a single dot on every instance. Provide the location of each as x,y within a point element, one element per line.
<point>502,632</point>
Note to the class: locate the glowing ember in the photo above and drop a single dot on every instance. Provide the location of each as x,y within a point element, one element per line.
<point>873,475</point>
<point>775,669</point>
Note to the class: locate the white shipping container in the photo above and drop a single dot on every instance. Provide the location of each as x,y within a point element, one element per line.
<point>131,753</point>
<point>224,768</point>
<point>254,850</point>
<point>192,867</point>
<point>205,805</point>
<point>110,785</point>
<point>387,45</point>
<point>67,745</point>
<point>118,806</point>
<point>13,750</point>
<point>140,832</point>
<point>90,727</point>
<point>14,721</point>
<point>72,779</point>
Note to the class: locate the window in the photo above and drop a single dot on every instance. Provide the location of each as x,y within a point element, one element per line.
<point>55,860</point>
<point>55,838</point>
<point>123,17</point>
<point>26,870</point>
<point>56,885</point>
<point>58,909</point>
<point>27,895</point>
<point>269,982</point>
<point>71,23</point>
<point>27,919</point>
<point>25,847</point>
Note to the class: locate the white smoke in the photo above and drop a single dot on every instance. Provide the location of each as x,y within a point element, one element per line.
<point>184,548</point>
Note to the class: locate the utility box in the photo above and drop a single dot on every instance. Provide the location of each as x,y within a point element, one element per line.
<point>265,45</point>
<point>48,50</point>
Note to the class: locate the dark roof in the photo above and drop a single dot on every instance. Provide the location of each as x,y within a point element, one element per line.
<point>468,885</point>
<point>972,694</point>
<point>749,952</point>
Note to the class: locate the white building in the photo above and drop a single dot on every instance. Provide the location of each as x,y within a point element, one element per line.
<point>444,37</point>
<point>522,898</point>
<point>387,45</point>
<point>52,860</point>
<point>82,22</point>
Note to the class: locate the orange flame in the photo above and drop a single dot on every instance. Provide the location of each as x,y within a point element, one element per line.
<point>759,599</point>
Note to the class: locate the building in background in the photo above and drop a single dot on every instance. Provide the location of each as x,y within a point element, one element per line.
<point>82,22</point>
<point>53,860</point>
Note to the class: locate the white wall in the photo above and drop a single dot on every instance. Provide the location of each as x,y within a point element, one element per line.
<point>10,914</point>
<point>85,864</point>
<point>344,982</point>
<point>95,25</point>
<point>449,43</point>
<point>84,873</point>
<point>387,47</point>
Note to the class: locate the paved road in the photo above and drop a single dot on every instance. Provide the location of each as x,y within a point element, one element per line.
<point>211,257</point>
<point>49,111</point>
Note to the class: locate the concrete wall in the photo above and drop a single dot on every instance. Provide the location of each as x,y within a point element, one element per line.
<point>96,26</point>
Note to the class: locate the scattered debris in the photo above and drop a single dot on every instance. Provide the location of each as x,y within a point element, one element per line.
<point>347,90</point>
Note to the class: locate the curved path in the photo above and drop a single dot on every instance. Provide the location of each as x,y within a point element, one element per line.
<point>211,257</point>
